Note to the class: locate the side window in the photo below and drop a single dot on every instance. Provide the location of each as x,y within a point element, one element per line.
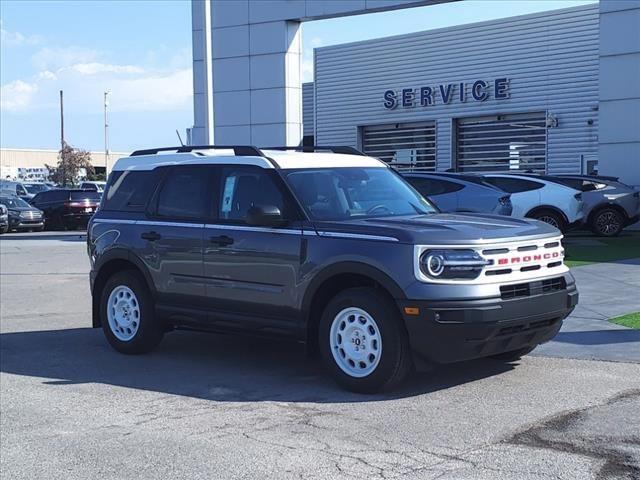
<point>20,190</point>
<point>242,187</point>
<point>449,187</point>
<point>185,194</point>
<point>130,190</point>
<point>423,185</point>
<point>514,185</point>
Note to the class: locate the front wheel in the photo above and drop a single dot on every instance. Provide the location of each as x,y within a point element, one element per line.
<point>552,218</point>
<point>127,314</point>
<point>607,222</point>
<point>362,341</point>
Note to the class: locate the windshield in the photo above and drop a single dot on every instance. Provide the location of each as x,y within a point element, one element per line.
<point>14,202</point>
<point>35,187</point>
<point>349,192</point>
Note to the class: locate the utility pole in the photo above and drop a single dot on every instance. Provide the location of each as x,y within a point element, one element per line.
<point>106,132</point>
<point>62,138</point>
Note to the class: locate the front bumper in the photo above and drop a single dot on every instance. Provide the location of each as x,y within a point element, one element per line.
<point>22,224</point>
<point>451,331</point>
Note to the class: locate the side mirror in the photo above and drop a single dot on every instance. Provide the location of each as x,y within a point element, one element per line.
<point>265,216</point>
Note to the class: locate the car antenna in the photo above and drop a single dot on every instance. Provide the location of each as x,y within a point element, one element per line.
<point>179,138</point>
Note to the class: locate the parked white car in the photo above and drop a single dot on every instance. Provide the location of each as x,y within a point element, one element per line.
<point>550,202</point>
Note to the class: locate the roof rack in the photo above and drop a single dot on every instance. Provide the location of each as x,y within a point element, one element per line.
<point>240,150</point>
<point>317,148</point>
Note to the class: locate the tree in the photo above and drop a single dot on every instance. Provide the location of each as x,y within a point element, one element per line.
<point>70,162</point>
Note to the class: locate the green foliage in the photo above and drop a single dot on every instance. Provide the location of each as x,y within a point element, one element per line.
<point>70,162</point>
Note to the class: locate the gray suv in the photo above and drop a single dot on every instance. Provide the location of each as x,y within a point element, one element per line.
<point>325,246</point>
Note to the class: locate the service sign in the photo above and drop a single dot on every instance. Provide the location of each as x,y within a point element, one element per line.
<point>477,91</point>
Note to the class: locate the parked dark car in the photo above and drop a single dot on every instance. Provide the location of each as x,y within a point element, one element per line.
<point>457,194</point>
<point>329,248</point>
<point>4,219</point>
<point>22,216</point>
<point>66,208</point>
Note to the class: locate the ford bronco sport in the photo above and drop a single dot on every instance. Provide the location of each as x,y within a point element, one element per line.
<point>324,245</point>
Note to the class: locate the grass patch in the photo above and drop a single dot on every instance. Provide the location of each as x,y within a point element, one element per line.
<point>631,320</point>
<point>581,249</point>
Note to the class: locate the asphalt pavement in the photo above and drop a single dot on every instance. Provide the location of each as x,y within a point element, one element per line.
<point>224,407</point>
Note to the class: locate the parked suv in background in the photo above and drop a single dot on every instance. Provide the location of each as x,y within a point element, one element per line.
<point>550,202</point>
<point>21,215</point>
<point>333,249</point>
<point>67,208</point>
<point>9,188</point>
<point>456,193</point>
<point>609,204</point>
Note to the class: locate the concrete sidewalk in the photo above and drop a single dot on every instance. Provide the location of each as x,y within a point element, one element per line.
<point>606,290</point>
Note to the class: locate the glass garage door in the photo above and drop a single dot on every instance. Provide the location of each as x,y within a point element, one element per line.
<point>502,143</point>
<point>409,146</point>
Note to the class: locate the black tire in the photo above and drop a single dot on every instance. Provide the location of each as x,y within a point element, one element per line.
<point>394,363</point>
<point>607,222</point>
<point>4,229</point>
<point>514,355</point>
<point>551,217</point>
<point>150,330</point>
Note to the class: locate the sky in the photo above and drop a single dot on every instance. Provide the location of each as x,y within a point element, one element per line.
<point>140,50</point>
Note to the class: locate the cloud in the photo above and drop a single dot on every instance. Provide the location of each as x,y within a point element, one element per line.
<point>307,70</point>
<point>17,95</point>
<point>94,68</point>
<point>13,39</point>
<point>52,58</point>
<point>317,42</point>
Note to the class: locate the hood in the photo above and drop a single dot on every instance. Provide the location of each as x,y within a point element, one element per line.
<point>445,228</point>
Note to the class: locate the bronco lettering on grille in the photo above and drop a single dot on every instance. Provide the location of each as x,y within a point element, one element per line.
<point>528,258</point>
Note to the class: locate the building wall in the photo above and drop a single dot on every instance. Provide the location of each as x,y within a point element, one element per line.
<point>307,109</point>
<point>619,135</point>
<point>550,58</point>
<point>13,158</point>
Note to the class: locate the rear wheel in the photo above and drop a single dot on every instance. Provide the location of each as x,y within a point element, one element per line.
<point>551,217</point>
<point>362,341</point>
<point>607,222</point>
<point>127,314</point>
<point>514,355</point>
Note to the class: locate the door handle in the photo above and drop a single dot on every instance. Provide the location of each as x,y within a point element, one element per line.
<point>151,236</point>
<point>222,240</point>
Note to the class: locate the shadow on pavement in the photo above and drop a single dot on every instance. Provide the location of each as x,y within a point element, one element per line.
<point>599,337</point>
<point>79,236</point>
<point>206,366</point>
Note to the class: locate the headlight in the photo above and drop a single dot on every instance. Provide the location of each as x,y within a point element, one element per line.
<point>452,264</point>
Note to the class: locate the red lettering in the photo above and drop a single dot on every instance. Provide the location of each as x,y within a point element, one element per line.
<point>537,257</point>
<point>526,259</point>
<point>502,261</point>
<point>515,260</point>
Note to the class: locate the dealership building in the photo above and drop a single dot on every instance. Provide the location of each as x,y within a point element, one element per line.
<point>555,92</point>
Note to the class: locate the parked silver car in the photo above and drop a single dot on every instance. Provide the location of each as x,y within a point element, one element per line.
<point>609,204</point>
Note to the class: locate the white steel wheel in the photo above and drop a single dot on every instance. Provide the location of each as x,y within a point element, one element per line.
<point>123,313</point>
<point>355,341</point>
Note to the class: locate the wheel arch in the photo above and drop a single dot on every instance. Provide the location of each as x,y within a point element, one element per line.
<point>603,205</point>
<point>112,262</point>
<point>336,278</point>
<point>541,208</point>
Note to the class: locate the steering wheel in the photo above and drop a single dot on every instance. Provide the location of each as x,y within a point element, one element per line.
<point>379,207</point>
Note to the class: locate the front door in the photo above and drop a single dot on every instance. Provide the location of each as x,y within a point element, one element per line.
<point>251,272</point>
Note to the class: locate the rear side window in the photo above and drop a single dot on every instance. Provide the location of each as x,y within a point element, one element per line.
<point>514,185</point>
<point>185,193</point>
<point>129,191</point>
<point>431,186</point>
<point>85,195</point>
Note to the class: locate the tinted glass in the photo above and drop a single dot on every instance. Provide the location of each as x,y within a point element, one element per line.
<point>95,196</point>
<point>130,190</point>
<point>36,187</point>
<point>184,193</point>
<point>243,187</point>
<point>343,193</point>
<point>514,185</point>
<point>13,202</point>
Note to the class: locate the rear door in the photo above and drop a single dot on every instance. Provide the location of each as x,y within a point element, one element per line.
<point>173,235</point>
<point>251,272</point>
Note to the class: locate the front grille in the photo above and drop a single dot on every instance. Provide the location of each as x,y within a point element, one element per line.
<point>532,288</point>
<point>526,327</point>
